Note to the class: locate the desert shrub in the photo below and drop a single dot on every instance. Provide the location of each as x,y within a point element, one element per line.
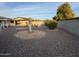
<point>51,24</point>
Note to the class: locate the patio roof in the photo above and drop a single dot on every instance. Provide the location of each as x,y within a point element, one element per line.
<point>4,18</point>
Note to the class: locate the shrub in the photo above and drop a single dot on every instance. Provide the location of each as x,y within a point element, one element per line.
<point>51,24</point>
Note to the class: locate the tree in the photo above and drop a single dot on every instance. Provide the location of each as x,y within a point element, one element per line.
<point>64,12</point>
<point>55,18</point>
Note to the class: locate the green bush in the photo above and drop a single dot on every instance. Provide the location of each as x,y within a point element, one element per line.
<point>51,24</point>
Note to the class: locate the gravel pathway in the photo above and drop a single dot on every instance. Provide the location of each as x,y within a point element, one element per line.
<point>53,43</point>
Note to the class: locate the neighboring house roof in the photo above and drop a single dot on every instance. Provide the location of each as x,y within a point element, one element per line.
<point>4,18</point>
<point>20,18</point>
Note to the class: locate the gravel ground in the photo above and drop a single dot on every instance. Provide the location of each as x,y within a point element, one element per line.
<point>55,43</point>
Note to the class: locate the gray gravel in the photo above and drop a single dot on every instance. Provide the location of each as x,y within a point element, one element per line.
<point>54,43</point>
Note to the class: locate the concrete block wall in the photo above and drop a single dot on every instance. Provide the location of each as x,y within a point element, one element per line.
<point>70,26</point>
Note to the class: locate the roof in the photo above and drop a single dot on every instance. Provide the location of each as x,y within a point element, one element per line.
<point>20,18</point>
<point>4,18</point>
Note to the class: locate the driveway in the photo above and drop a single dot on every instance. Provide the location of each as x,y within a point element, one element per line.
<point>54,43</point>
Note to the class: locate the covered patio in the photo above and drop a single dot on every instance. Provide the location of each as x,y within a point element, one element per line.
<point>4,22</point>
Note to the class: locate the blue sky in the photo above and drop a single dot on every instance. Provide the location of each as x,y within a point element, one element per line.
<point>38,10</point>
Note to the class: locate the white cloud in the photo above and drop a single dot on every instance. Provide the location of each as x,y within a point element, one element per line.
<point>34,7</point>
<point>23,9</point>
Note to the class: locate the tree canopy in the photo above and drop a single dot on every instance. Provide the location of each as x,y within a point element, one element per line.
<point>64,12</point>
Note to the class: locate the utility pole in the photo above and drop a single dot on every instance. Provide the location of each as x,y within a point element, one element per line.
<point>29,25</point>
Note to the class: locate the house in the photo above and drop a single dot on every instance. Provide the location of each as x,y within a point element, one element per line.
<point>20,21</point>
<point>37,23</point>
<point>4,22</point>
